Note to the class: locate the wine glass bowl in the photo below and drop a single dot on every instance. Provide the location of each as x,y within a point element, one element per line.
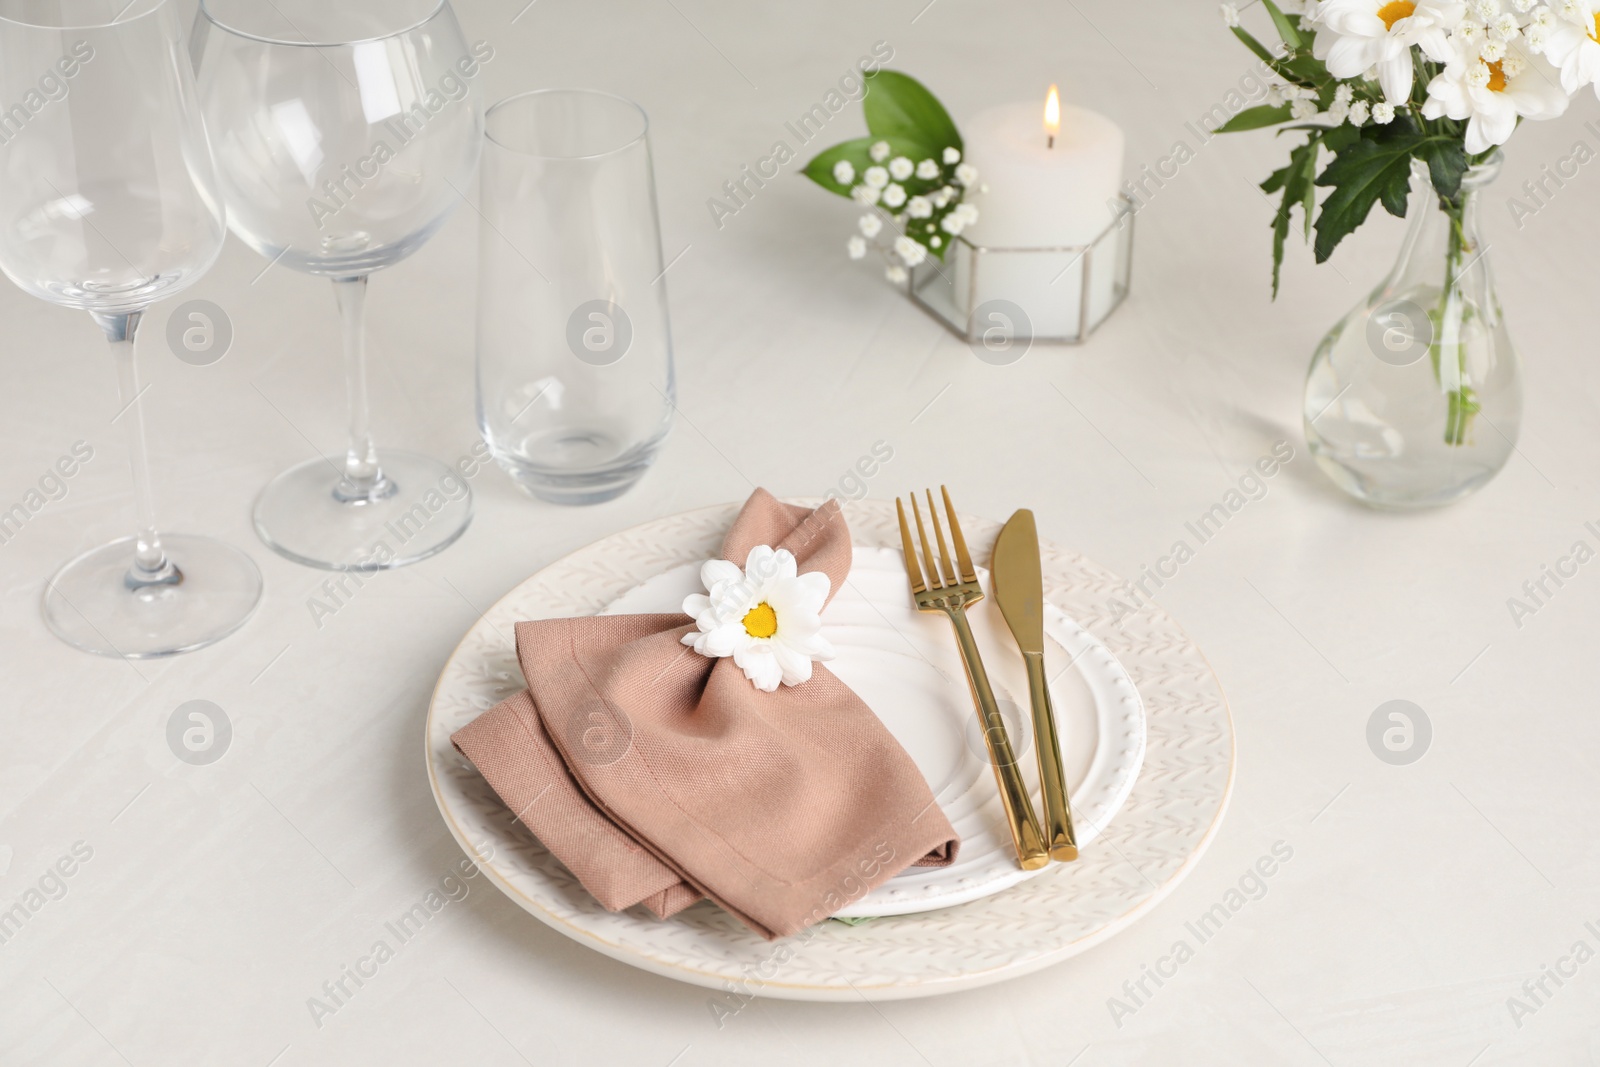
<point>339,144</point>
<point>345,134</point>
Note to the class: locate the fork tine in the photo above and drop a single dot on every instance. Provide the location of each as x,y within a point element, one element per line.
<point>913,568</point>
<point>962,556</point>
<point>944,553</point>
<point>935,579</point>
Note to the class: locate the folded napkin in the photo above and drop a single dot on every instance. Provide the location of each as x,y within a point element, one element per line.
<point>657,775</point>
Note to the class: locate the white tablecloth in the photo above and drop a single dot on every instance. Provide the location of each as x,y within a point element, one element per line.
<point>207,906</point>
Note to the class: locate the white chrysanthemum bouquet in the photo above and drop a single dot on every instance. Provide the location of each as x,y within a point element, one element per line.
<point>1380,83</point>
<point>908,174</point>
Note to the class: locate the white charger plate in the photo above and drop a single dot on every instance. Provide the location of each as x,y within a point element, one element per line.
<point>905,666</point>
<point>1170,814</point>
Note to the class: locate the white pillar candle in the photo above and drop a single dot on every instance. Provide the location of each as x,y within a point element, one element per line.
<point>1046,189</point>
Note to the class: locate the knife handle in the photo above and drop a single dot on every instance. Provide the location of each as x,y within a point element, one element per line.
<point>1032,852</point>
<point>1062,839</point>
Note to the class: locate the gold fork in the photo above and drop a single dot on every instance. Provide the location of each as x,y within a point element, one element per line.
<point>950,591</point>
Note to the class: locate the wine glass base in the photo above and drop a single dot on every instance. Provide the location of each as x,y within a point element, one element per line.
<point>298,516</point>
<point>89,605</point>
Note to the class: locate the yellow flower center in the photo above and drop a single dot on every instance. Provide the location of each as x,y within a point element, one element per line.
<point>761,620</point>
<point>1594,34</point>
<point>1497,78</point>
<point>1394,11</point>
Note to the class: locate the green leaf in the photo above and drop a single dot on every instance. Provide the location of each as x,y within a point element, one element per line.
<point>1447,162</point>
<point>1372,168</point>
<point>1255,46</point>
<point>1298,189</point>
<point>1286,29</point>
<point>897,105</point>
<point>1253,118</point>
<point>820,169</point>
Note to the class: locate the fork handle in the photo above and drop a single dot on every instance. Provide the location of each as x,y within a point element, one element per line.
<point>1025,833</point>
<point>1052,779</point>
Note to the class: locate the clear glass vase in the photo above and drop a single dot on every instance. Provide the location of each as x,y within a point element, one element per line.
<point>1414,399</point>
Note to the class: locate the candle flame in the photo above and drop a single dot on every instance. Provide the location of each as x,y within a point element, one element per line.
<point>1052,115</point>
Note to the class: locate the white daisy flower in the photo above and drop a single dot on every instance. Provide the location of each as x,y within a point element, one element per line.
<point>919,207</point>
<point>927,170</point>
<point>909,251</point>
<point>894,196</point>
<point>1571,41</point>
<point>766,616</point>
<point>1354,35</point>
<point>1491,97</point>
<point>843,172</point>
<point>895,274</point>
<point>966,174</point>
<point>865,194</point>
<point>879,151</point>
<point>871,225</point>
<point>857,247</point>
<point>876,177</point>
<point>900,168</point>
<point>952,155</point>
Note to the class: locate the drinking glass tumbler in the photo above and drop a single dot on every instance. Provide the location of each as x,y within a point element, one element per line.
<point>575,378</point>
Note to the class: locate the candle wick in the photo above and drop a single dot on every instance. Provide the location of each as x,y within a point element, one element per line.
<point>1050,141</point>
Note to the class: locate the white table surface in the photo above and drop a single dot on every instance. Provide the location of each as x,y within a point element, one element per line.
<point>218,899</point>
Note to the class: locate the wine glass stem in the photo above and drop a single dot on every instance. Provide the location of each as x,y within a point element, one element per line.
<point>363,479</point>
<point>150,563</point>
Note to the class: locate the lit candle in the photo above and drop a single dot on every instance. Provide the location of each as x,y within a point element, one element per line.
<point>1049,186</point>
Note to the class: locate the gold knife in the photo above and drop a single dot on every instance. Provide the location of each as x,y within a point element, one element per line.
<point>1019,590</point>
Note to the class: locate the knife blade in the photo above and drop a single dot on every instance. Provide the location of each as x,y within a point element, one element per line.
<point>1019,592</point>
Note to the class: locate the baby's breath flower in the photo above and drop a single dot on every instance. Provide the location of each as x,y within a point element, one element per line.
<point>879,151</point>
<point>1302,109</point>
<point>1512,65</point>
<point>1491,52</point>
<point>856,247</point>
<point>1383,113</point>
<point>895,274</point>
<point>865,194</point>
<point>952,223</point>
<point>1467,32</point>
<point>942,197</point>
<point>927,170</point>
<point>919,207</point>
<point>966,174</point>
<point>1504,28</point>
<point>876,177</point>
<point>894,196</point>
<point>1230,14</point>
<point>1343,93</point>
<point>1485,10</point>
<point>967,212</point>
<point>900,168</point>
<point>871,225</point>
<point>910,251</point>
<point>1359,112</point>
<point>935,241</point>
<point>952,155</point>
<point>843,172</point>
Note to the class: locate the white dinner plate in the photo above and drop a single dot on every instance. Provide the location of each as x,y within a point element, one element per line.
<point>905,666</point>
<point>1169,815</point>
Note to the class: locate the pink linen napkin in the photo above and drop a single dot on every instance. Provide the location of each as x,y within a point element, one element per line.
<point>657,775</point>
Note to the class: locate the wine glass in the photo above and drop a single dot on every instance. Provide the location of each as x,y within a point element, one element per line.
<point>345,132</point>
<point>108,204</point>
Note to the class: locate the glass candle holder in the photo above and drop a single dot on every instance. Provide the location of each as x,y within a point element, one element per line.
<point>575,376</point>
<point>1058,295</point>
